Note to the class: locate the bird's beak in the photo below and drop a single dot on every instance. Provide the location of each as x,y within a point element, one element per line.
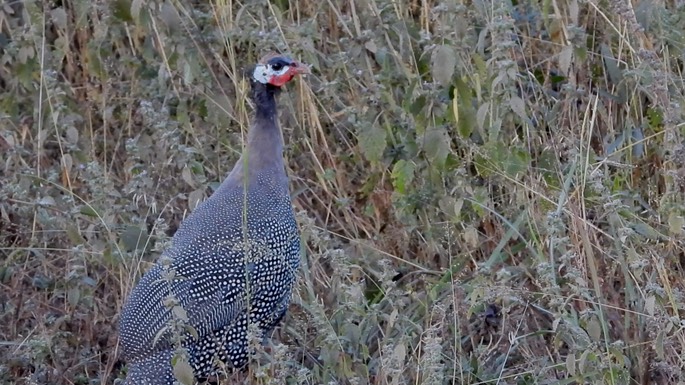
<point>298,68</point>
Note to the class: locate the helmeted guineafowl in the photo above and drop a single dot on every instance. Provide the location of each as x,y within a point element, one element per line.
<point>231,263</point>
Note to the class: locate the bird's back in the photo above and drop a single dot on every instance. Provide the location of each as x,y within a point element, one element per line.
<point>227,245</point>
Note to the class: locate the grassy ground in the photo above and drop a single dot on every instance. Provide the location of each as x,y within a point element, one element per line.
<point>490,193</point>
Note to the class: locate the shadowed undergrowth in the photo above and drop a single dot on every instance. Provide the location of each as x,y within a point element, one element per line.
<point>489,192</point>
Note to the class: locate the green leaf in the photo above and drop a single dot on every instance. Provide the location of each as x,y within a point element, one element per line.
<point>188,74</point>
<point>179,313</point>
<point>402,175</point>
<point>25,73</point>
<point>416,107</point>
<point>436,144</point>
<point>519,107</point>
<point>73,234</point>
<point>370,184</point>
<point>136,6</point>
<point>82,13</point>
<point>6,272</point>
<point>169,15</point>
<point>134,238</point>
<point>611,64</point>
<point>183,372</point>
<point>481,115</point>
<point>451,206</point>
<point>196,197</point>
<point>443,62</point>
<point>73,296</point>
<point>59,17</point>
<point>585,359</point>
<point>654,117</point>
<point>650,305</point>
<point>571,364</point>
<point>676,223</point>
<point>95,65</point>
<point>493,131</point>
<point>647,231</point>
<point>659,345</point>
<point>499,158</point>
<point>546,166</point>
<point>594,329</point>
<point>88,211</point>
<point>465,109</point>
<point>614,71</point>
<point>565,58</point>
<point>372,143</point>
<point>121,10</point>
<point>517,163</point>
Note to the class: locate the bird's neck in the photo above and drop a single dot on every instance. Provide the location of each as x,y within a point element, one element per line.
<point>264,98</point>
<point>263,155</point>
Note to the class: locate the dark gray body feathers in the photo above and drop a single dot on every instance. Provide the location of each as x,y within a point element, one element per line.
<point>216,255</point>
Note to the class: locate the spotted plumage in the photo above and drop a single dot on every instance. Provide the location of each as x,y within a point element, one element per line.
<point>231,263</point>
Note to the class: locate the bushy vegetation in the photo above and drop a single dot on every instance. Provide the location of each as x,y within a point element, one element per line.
<point>489,192</point>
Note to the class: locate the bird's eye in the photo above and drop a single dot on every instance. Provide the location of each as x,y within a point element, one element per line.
<point>277,67</point>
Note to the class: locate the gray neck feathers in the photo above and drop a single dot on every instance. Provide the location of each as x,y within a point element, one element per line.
<point>263,155</point>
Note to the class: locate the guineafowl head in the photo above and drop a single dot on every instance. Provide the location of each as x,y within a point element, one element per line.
<point>276,70</point>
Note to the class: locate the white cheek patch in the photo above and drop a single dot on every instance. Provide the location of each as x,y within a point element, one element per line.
<point>262,73</point>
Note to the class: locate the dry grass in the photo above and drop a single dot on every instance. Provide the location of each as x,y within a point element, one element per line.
<point>489,194</point>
